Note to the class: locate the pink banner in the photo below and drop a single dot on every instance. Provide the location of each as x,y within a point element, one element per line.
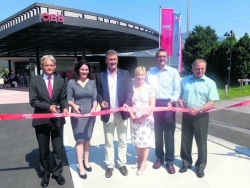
<point>167,20</point>
<point>180,54</point>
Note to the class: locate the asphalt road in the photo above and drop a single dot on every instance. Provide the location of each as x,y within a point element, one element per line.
<point>229,125</point>
<point>19,167</point>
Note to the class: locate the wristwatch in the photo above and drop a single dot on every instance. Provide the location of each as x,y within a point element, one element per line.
<point>200,109</point>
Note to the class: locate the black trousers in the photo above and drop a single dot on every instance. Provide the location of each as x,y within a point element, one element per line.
<point>164,124</point>
<point>196,126</point>
<point>44,133</point>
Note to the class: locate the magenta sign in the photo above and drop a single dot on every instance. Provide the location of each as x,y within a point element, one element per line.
<point>52,18</point>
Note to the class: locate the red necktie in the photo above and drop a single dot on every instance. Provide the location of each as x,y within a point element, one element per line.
<point>50,87</point>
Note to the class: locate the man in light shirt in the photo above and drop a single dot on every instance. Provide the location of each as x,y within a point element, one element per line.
<point>166,83</point>
<point>114,89</point>
<point>198,93</point>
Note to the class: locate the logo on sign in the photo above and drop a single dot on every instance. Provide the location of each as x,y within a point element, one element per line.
<point>27,116</point>
<point>167,27</point>
<point>52,18</point>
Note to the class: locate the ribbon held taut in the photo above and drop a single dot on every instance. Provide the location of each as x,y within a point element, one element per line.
<point>103,112</point>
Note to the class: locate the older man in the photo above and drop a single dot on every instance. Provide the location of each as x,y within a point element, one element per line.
<point>48,92</point>
<point>166,83</point>
<point>198,93</point>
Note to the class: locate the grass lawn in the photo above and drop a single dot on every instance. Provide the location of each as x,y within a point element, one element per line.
<point>235,92</point>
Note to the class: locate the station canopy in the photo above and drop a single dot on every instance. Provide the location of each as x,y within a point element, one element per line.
<point>48,29</point>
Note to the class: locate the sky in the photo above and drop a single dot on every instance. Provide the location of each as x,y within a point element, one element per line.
<point>221,15</point>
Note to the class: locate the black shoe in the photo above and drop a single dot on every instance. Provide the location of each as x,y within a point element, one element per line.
<point>83,176</point>
<point>87,169</point>
<point>200,173</point>
<point>184,169</point>
<point>123,170</point>
<point>59,179</point>
<point>45,180</point>
<point>109,172</point>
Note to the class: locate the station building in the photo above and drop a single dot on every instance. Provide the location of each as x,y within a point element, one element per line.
<point>70,35</point>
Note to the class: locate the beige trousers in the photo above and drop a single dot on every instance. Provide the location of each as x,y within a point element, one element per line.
<point>115,121</point>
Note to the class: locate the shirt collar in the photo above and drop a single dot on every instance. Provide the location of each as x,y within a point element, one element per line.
<point>45,76</point>
<point>201,78</point>
<point>164,68</point>
<point>110,72</point>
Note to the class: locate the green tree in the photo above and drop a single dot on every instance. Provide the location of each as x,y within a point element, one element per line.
<point>198,44</point>
<point>241,58</point>
<point>218,60</point>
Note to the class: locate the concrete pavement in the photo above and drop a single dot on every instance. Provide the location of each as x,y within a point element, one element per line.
<point>226,167</point>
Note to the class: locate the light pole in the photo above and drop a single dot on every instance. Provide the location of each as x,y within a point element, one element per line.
<point>230,58</point>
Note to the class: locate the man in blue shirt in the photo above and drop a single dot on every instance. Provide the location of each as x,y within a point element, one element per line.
<point>198,93</point>
<point>166,82</point>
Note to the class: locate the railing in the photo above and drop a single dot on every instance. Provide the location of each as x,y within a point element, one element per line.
<point>88,16</point>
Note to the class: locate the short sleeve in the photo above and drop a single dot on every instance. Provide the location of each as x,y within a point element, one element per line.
<point>213,93</point>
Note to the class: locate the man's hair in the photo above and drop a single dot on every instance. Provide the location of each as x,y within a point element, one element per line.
<point>161,50</point>
<point>110,52</point>
<point>45,58</point>
<point>199,61</point>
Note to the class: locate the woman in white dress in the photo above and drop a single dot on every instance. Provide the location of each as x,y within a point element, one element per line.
<point>142,120</point>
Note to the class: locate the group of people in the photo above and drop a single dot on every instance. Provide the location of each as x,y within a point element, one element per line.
<point>158,87</point>
<point>12,80</point>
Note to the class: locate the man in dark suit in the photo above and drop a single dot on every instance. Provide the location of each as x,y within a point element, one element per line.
<point>114,89</point>
<point>47,94</point>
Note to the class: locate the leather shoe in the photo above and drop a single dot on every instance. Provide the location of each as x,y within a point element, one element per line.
<point>184,169</point>
<point>157,164</point>
<point>123,170</point>
<point>45,180</point>
<point>200,173</point>
<point>83,176</point>
<point>59,179</point>
<point>170,168</point>
<point>87,169</point>
<point>109,172</point>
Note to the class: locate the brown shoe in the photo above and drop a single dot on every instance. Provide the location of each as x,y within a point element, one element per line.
<point>170,168</point>
<point>157,164</point>
<point>123,170</point>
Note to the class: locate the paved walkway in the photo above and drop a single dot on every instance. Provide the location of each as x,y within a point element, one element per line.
<point>228,163</point>
<point>226,167</point>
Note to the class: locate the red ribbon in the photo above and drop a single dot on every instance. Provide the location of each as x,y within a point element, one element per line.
<point>103,112</point>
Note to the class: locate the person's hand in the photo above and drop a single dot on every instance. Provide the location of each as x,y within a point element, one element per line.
<point>104,104</point>
<point>181,103</point>
<point>169,105</point>
<point>125,105</point>
<point>65,111</point>
<point>76,108</point>
<point>92,110</point>
<point>53,109</point>
<point>194,111</point>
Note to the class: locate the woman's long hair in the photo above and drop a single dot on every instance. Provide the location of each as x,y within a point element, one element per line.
<point>77,67</point>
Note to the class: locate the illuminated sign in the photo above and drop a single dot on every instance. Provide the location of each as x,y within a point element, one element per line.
<point>52,18</point>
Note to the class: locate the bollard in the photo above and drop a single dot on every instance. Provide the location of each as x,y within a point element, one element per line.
<point>226,90</point>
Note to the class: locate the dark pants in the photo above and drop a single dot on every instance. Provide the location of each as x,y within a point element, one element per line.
<point>43,134</point>
<point>196,126</point>
<point>164,123</point>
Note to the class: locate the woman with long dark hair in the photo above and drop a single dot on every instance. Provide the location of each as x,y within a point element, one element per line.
<point>81,94</point>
